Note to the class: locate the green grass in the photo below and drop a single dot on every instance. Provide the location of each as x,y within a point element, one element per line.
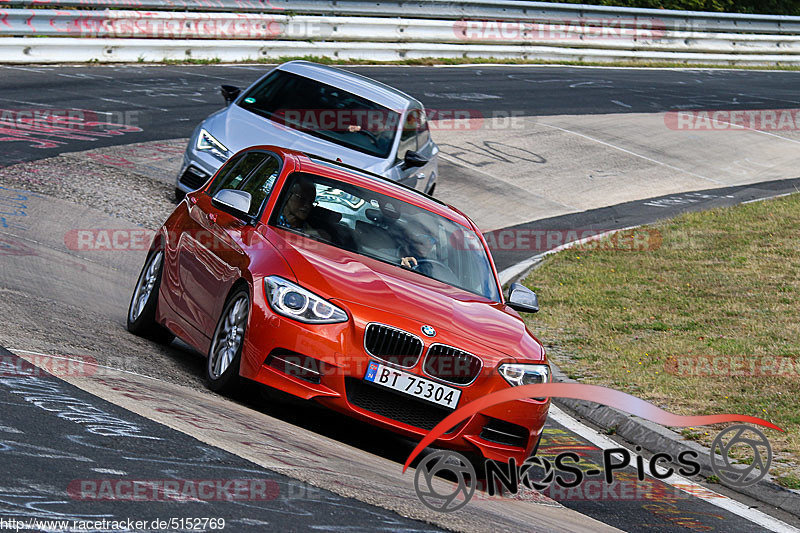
<point>722,284</point>
<point>789,481</point>
<point>689,434</point>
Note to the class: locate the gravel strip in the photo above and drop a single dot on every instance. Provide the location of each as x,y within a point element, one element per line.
<point>56,325</point>
<point>118,192</point>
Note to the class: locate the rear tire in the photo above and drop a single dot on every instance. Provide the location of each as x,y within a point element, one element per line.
<point>225,353</point>
<point>142,309</point>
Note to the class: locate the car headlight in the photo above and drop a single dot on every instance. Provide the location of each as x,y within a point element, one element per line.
<point>207,143</point>
<point>523,374</point>
<point>293,301</point>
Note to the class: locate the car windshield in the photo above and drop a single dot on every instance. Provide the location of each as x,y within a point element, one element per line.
<point>324,111</point>
<point>387,229</point>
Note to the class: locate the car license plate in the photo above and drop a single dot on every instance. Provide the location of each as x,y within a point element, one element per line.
<point>412,385</point>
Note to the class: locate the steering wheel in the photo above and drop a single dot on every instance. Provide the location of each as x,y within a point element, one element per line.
<point>437,263</point>
<point>372,137</point>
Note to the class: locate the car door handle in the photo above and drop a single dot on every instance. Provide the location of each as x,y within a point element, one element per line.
<point>212,218</point>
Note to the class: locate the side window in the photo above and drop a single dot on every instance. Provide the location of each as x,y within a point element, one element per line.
<point>227,168</point>
<point>408,137</point>
<point>423,133</point>
<point>236,171</point>
<point>260,184</point>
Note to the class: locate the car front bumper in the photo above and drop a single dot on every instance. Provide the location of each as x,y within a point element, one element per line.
<point>328,362</point>
<point>198,166</point>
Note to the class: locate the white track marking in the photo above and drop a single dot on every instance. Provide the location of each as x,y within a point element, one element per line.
<point>37,70</point>
<point>675,480</point>
<point>26,102</point>
<point>769,197</point>
<point>615,147</point>
<point>109,471</point>
<point>123,102</point>
<point>770,98</point>
<point>198,74</point>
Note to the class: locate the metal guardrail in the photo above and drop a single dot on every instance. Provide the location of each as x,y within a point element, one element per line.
<point>476,28</point>
<point>509,10</point>
<point>66,50</point>
<point>114,24</point>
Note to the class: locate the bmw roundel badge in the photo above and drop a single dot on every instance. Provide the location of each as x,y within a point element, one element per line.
<point>428,330</point>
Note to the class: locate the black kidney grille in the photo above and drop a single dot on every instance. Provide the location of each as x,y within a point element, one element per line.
<point>452,365</point>
<point>396,406</point>
<point>392,345</point>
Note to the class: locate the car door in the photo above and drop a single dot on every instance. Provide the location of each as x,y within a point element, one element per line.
<point>210,255</point>
<point>425,175</point>
<point>415,137</point>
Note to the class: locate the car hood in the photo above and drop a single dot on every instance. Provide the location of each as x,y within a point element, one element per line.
<point>238,128</point>
<point>336,274</point>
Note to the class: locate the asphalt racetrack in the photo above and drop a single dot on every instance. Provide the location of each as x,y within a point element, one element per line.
<point>557,149</point>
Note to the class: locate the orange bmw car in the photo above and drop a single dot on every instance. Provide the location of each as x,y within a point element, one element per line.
<point>343,287</point>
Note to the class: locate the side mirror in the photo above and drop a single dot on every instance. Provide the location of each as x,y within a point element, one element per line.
<point>413,159</point>
<point>235,202</point>
<point>230,93</point>
<point>521,298</point>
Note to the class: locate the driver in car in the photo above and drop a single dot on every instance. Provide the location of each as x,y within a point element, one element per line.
<point>419,250</point>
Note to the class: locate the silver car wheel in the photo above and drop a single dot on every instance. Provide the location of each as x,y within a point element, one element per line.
<point>229,336</point>
<point>145,286</point>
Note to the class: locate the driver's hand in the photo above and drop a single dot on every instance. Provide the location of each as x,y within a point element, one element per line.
<point>409,262</point>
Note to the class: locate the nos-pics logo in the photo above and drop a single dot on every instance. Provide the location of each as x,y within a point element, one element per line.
<point>728,443</point>
<point>439,495</point>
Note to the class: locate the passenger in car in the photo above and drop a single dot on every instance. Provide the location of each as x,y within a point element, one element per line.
<point>298,207</point>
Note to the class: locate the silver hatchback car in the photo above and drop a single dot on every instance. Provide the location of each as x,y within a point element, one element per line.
<point>320,110</point>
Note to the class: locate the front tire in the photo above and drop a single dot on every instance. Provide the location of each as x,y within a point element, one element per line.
<point>142,309</point>
<point>225,353</point>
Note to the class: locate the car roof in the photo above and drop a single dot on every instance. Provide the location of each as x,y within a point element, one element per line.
<point>312,164</point>
<point>357,84</point>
